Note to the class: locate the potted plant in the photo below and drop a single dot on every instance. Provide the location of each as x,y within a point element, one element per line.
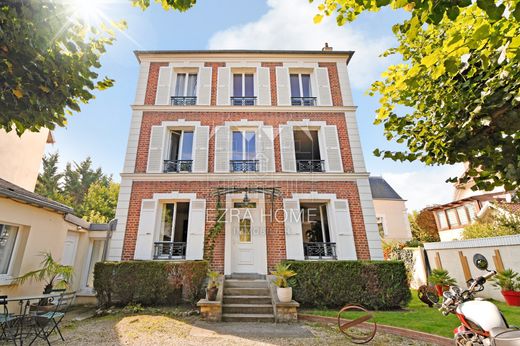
<point>212,289</point>
<point>509,283</point>
<point>442,280</point>
<point>282,273</point>
<point>52,273</point>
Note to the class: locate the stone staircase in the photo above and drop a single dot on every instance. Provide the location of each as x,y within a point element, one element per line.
<point>247,299</point>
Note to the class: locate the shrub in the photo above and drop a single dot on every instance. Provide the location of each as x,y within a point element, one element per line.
<point>441,277</point>
<point>378,285</point>
<point>149,282</point>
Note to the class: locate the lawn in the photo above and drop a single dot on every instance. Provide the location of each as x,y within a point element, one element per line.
<point>418,316</point>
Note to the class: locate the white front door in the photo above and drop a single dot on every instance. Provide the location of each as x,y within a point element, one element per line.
<point>248,241</point>
<point>69,248</point>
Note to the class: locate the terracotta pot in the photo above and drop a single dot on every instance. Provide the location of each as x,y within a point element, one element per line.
<point>284,294</point>
<point>440,289</point>
<point>512,297</point>
<point>212,293</point>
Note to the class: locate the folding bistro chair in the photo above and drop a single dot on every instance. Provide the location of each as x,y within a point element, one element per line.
<point>10,325</point>
<point>49,322</point>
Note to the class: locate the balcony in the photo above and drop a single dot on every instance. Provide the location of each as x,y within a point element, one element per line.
<point>176,166</point>
<point>243,100</point>
<point>165,250</point>
<point>183,100</point>
<point>319,250</point>
<point>244,165</point>
<point>303,101</point>
<point>310,166</point>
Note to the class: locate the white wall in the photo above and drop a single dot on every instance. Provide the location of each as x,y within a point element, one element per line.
<point>395,217</point>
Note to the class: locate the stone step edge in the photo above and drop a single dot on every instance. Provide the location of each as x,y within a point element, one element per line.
<point>232,305</point>
<point>246,297</point>
<point>232,315</point>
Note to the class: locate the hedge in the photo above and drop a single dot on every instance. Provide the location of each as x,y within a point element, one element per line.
<point>378,285</point>
<point>149,282</point>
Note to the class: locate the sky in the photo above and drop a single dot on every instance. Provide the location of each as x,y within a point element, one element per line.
<point>100,130</point>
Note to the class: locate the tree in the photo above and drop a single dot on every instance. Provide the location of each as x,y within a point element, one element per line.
<point>79,177</point>
<point>494,223</point>
<point>100,202</point>
<point>423,226</point>
<point>180,5</point>
<point>48,183</point>
<point>459,83</point>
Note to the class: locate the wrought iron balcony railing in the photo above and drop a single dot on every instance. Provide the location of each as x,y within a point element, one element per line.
<point>317,250</point>
<point>244,165</point>
<point>169,250</point>
<point>176,166</point>
<point>303,101</point>
<point>243,100</point>
<point>183,100</point>
<point>310,166</point>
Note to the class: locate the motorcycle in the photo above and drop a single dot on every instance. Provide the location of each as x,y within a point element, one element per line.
<point>482,323</point>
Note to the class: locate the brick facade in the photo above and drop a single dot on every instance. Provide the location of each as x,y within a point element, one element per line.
<point>272,79</point>
<point>214,78</point>
<point>335,89</point>
<point>275,231</point>
<point>151,85</point>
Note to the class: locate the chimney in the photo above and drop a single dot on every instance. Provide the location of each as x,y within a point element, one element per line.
<point>327,48</point>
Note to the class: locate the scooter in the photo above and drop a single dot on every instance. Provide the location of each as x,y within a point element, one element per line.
<point>481,321</point>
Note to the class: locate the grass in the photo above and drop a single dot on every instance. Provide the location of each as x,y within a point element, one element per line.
<point>418,316</point>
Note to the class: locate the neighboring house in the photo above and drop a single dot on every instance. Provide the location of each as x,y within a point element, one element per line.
<point>271,136</point>
<point>21,157</point>
<point>391,212</point>
<point>30,225</point>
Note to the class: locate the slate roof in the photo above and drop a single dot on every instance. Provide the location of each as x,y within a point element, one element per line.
<point>382,190</point>
<point>19,194</point>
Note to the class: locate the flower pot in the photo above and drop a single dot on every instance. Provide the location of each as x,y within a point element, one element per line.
<point>284,294</point>
<point>440,289</point>
<point>512,297</point>
<point>212,293</point>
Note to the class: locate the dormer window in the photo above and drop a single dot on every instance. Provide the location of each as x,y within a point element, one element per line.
<point>185,93</point>
<point>301,94</point>
<point>243,90</point>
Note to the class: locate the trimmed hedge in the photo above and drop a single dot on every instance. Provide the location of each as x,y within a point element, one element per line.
<point>377,285</point>
<point>149,282</point>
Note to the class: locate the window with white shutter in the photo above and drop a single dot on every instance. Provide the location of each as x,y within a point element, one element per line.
<point>264,86</point>
<point>293,229</point>
<point>162,96</point>
<point>324,94</point>
<point>265,153</point>
<point>200,150</point>
<point>345,244</point>
<point>283,87</point>
<point>223,86</point>
<point>196,230</point>
<point>144,244</point>
<point>155,151</point>
<point>334,162</point>
<point>204,86</point>
<point>287,148</point>
<point>222,149</point>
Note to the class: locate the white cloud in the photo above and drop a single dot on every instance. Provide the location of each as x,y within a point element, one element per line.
<point>288,24</point>
<point>424,187</point>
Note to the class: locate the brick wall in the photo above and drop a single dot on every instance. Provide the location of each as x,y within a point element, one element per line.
<point>214,79</point>
<point>151,86</point>
<point>272,79</point>
<point>335,89</point>
<point>213,119</point>
<point>275,231</point>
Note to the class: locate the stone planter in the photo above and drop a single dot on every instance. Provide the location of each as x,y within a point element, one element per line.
<point>284,294</point>
<point>212,293</point>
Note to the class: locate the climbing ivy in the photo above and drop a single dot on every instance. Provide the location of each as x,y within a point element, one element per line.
<point>215,231</point>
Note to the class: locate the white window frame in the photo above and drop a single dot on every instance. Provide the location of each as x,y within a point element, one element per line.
<point>6,279</point>
<point>243,77</point>
<point>383,223</point>
<point>243,131</point>
<point>181,142</point>
<point>174,219</point>
<point>300,83</point>
<point>186,79</point>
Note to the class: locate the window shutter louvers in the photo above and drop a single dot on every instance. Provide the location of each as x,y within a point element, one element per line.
<point>324,96</point>
<point>345,245</point>
<point>145,231</point>
<point>293,229</point>
<point>163,86</point>
<point>222,149</point>
<point>155,152</point>
<point>265,153</point>
<point>204,86</point>
<point>333,161</point>
<point>196,230</point>
<point>200,149</point>
<point>264,87</point>
<point>288,157</point>
<point>283,87</point>
<point>223,86</point>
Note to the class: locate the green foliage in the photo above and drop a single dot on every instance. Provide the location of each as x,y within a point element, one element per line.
<point>459,85</point>
<point>215,231</point>
<point>282,273</point>
<point>423,227</point>
<point>180,5</point>
<point>493,224</point>
<point>48,62</point>
<point>213,279</point>
<point>52,273</point>
<point>378,285</point>
<point>441,277</point>
<point>91,193</point>
<point>507,280</point>
<point>149,282</point>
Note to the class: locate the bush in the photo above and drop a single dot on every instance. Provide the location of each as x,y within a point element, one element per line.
<point>149,282</point>
<point>378,285</point>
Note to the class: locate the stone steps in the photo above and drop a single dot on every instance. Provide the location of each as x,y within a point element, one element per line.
<point>234,283</point>
<point>247,308</point>
<point>246,291</point>
<point>248,317</point>
<point>247,299</point>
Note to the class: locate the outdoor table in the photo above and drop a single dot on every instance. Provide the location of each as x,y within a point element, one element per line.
<point>28,299</point>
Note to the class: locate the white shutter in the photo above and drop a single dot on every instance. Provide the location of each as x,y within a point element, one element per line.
<point>145,232</point>
<point>222,149</point>
<point>163,86</point>
<point>264,86</point>
<point>200,149</point>
<point>322,78</point>
<point>155,152</point>
<point>283,86</point>
<point>293,229</point>
<point>204,86</point>
<point>223,86</point>
<point>196,228</point>
<point>265,153</point>
<point>287,152</point>
<point>332,149</point>
<point>345,245</point>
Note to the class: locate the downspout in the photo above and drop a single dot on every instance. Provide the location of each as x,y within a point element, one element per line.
<point>111,227</point>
